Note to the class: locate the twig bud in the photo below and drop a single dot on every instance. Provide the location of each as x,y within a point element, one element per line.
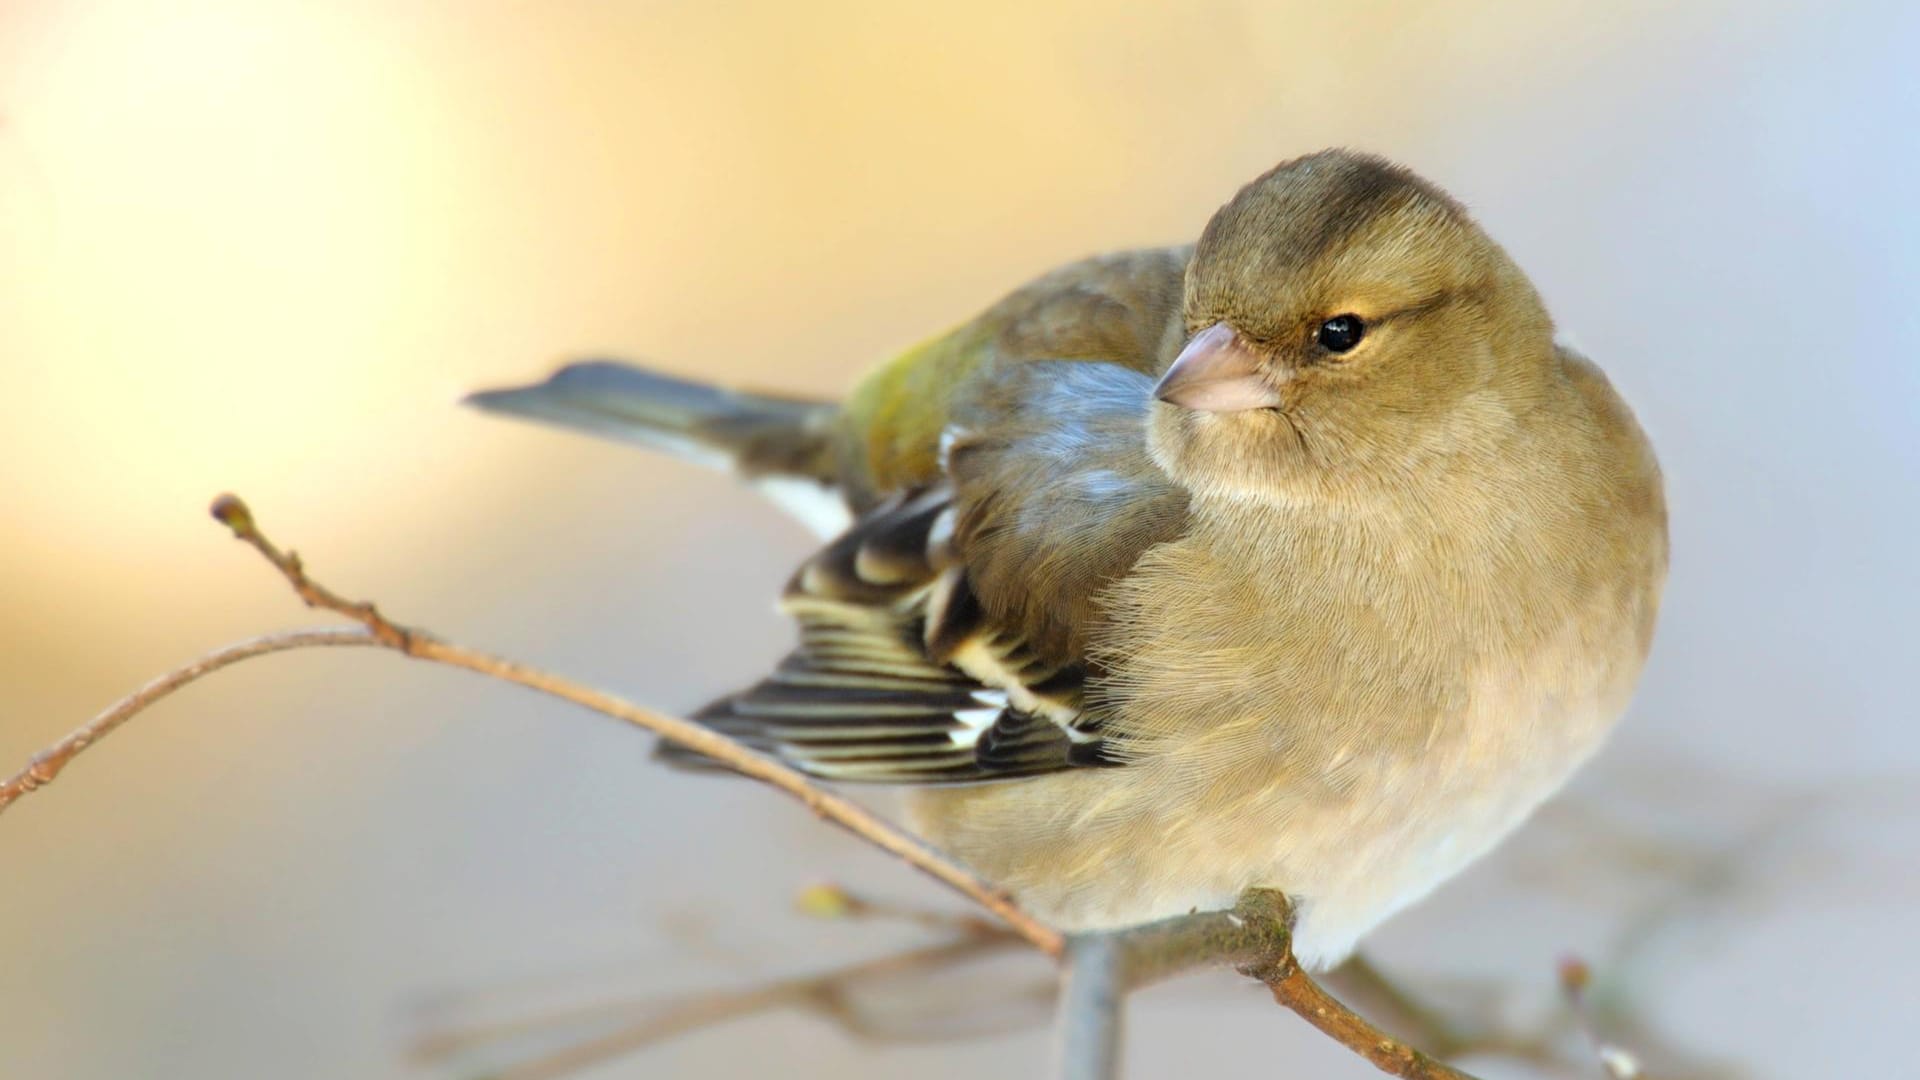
<point>825,901</point>
<point>230,511</point>
<point>1574,977</point>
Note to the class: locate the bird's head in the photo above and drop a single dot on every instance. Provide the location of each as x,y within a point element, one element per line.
<point>1347,321</point>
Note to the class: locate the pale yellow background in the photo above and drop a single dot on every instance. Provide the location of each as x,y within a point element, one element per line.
<point>264,246</point>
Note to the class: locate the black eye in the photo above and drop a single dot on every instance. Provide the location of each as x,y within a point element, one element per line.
<point>1340,333</point>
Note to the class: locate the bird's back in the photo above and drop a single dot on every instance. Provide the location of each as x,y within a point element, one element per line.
<point>1121,309</point>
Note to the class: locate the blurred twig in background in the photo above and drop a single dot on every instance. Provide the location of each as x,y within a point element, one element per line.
<point>916,995</point>
<point>828,994</point>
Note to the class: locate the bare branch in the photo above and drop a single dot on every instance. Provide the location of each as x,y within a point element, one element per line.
<point>1391,1056</point>
<point>233,513</point>
<point>45,766</point>
<point>1256,937</point>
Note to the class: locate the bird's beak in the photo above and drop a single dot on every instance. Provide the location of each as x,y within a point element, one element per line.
<point>1217,372</point>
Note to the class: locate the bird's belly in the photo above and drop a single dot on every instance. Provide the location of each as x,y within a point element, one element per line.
<point>1352,832</point>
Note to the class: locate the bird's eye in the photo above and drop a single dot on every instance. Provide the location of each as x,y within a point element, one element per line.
<point>1340,333</point>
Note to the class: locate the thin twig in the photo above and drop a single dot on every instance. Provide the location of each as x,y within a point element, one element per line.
<point>378,630</point>
<point>1296,991</point>
<point>1257,937</point>
<point>233,513</point>
<point>824,992</point>
<point>44,767</point>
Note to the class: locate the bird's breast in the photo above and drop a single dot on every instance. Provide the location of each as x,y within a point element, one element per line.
<point>1350,711</point>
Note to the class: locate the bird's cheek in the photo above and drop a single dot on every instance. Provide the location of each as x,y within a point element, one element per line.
<point>1167,434</point>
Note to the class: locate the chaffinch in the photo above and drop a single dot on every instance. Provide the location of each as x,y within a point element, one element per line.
<point>1302,558</point>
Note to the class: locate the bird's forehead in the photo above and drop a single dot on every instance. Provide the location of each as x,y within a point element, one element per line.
<point>1296,222</point>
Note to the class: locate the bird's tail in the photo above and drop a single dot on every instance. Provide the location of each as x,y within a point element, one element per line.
<point>758,436</point>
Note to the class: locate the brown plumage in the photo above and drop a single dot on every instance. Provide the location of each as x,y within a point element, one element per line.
<point>1302,558</point>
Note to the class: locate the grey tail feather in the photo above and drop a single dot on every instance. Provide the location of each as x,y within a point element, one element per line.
<point>754,434</point>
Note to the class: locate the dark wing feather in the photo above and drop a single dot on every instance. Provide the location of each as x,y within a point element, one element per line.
<point>870,693</point>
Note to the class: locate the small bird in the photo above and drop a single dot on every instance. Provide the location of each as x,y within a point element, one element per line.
<point>1300,558</point>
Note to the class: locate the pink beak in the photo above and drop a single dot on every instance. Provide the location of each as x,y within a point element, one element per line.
<point>1217,372</point>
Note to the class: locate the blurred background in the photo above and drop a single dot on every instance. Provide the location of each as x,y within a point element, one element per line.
<point>264,246</point>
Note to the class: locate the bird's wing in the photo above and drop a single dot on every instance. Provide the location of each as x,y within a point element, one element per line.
<point>944,637</point>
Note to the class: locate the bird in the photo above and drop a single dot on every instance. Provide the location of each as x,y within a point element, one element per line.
<point>1301,557</point>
